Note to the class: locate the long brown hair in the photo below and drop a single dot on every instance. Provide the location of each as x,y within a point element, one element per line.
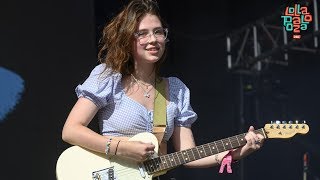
<point>118,36</point>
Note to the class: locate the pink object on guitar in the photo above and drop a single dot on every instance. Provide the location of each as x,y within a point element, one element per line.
<point>226,160</point>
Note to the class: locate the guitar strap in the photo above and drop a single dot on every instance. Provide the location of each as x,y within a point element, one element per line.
<point>160,115</point>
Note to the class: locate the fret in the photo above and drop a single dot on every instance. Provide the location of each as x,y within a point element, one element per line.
<point>213,147</point>
<point>180,155</point>
<point>210,149</point>
<point>230,143</point>
<point>201,152</point>
<point>233,142</point>
<point>186,159</point>
<point>261,131</point>
<point>174,159</point>
<point>147,166</point>
<point>207,149</point>
<point>168,161</point>
<point>242,139</point>
<point>226,143</point>
<point>223,145</point>
<point>194,153</point>
<point>158,163</point>
<point>218,150</point>
<point>189,156</point>
<point>177,157</point>
<point>188,151</point>
<point>153,165</point>
<point>198,153</point>
<point>238,140</point>
<point>163,162</point>
<point>204,151</point>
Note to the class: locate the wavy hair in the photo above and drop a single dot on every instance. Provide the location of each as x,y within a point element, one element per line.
<point>118,36</point>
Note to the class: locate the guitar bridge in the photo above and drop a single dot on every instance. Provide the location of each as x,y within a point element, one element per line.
<point>104,174</point>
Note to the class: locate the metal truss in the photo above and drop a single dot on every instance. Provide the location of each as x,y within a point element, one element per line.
<point>256,46</point>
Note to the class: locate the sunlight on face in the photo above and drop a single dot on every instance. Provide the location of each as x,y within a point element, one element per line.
<point>151,51</point>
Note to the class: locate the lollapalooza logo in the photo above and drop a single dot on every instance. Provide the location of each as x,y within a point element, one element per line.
<point>296,19</point>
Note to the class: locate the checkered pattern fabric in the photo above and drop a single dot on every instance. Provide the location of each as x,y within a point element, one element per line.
<point>119,115</point>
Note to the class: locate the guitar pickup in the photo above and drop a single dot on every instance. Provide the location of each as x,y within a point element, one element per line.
<point>104,174</point>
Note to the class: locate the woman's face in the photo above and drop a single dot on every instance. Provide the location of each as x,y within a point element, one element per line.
<point>149,43</point>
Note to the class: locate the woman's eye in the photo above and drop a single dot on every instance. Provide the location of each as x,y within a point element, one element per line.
<point>159,31</point>
<point>142,34</point>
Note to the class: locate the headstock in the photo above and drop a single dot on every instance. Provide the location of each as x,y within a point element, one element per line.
<point>285,130</point>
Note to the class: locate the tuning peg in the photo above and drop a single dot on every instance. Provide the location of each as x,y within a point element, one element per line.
<point>271,122</point>
<point>297,121</point>
<point>278,122</point>
<point>304,122</point>
<point>290,122</point>
<point>284,122</point>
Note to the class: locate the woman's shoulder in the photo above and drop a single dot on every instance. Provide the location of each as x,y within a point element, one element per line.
<point>103,74</point>
<point>175,82</point>
<point>177,88</point>
<point>103,71</point>
<point>99,86</point>
<point>101,77</point>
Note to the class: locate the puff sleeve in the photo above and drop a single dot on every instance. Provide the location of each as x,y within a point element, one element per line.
<point>185,116</point>
<point>98,87</point>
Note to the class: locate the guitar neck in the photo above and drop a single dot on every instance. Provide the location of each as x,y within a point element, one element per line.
<point>175,159</point>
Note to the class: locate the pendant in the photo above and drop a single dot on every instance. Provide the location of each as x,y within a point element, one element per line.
<point>147,95</point>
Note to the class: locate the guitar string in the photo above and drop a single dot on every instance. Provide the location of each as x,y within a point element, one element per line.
<point>233,139</point>
<point>207,149</point>
<point>126,172</point>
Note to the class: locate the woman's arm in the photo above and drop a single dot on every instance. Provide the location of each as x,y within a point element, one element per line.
<point>76,132</point>
<point>183,139</point>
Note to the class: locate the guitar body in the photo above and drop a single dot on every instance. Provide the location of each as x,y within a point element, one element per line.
<point>80,164</point>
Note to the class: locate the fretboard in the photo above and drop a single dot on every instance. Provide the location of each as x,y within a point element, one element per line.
<point>175,159</point>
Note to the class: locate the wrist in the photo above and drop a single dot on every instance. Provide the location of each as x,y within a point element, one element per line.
<point>120,148</point>
<point>216,157</point>
<point>115,153</point>
<point>241,152</point>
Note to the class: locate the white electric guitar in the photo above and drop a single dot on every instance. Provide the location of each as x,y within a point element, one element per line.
<point>77,163</point>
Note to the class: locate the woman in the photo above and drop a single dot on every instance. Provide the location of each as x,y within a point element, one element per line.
<point>121,90</point>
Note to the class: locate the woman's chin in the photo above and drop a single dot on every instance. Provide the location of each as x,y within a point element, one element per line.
<point>153,59</point>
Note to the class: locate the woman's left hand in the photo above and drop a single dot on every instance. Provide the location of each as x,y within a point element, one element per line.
<point>254,142</point>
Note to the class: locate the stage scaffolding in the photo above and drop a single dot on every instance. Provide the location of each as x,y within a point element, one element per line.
<point>255,47</point>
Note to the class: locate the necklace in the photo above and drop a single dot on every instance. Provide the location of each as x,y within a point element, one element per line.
<point>146,92</point>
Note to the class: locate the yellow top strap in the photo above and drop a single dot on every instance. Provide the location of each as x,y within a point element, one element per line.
<point>160,106</point>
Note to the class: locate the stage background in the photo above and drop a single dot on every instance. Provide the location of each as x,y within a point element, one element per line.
<point>52,46</point>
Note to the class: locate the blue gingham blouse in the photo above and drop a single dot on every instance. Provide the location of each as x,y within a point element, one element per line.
<point>119,115</point>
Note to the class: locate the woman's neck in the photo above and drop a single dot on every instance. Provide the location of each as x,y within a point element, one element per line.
<point>144,73</point>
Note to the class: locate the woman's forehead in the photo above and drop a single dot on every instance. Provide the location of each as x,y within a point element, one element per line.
<point>149,21</point>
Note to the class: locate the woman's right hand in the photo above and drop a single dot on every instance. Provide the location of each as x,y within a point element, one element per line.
<point>135,150</point>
